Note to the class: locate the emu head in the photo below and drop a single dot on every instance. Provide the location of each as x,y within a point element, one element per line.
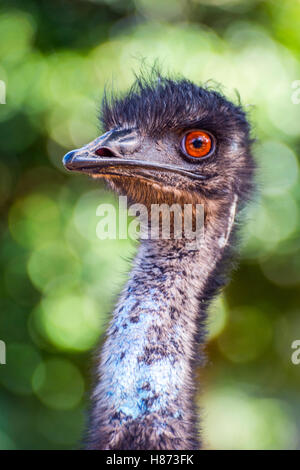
<point>170,141</point>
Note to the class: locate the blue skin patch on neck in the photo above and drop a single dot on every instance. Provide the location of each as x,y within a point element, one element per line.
<point>135,388</point>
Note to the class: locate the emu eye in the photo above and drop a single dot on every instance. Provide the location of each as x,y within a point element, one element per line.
<point>197,144</point>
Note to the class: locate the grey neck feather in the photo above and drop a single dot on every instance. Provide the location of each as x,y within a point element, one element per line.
<point>145,395</point>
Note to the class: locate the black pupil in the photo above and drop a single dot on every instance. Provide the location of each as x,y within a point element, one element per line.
<point>197,143</point>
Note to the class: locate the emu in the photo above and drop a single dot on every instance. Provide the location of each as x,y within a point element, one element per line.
<point>165,141</point>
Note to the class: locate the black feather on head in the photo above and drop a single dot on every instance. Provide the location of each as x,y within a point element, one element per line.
<point>155,104</point>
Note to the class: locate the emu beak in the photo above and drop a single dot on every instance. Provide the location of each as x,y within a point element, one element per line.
<point>113,153</point>
<point>106,151</point>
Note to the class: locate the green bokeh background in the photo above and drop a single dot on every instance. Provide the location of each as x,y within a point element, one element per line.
<point>58,280</point>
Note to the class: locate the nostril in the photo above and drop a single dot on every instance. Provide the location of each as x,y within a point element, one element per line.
<point>104,152</point>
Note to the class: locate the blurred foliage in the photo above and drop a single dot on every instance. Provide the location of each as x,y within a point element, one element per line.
<point>58,280</point>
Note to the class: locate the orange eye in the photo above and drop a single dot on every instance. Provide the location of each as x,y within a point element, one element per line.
<point>197,144</point>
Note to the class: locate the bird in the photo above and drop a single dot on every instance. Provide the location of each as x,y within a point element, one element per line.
<point>166,141</point>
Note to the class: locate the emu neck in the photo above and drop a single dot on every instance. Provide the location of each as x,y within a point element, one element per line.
<point>145,395</point>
